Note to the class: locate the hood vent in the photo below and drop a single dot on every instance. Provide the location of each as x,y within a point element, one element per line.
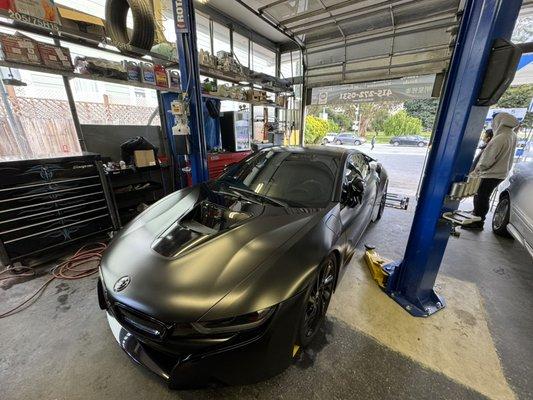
<point>199,225</point>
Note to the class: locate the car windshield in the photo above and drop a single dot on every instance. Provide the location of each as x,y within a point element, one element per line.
<point>294,178</point>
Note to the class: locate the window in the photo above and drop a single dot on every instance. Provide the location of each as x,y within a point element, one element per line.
<point>221,39</point>
<point>360,163</point>
<point>299,179</point>
<point>290,64</point>
<point>263,59</point>
<point>203,33</point>
<point>40,123</point>
<point>241,49</point>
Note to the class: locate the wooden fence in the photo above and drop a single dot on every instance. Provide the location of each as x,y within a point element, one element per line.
<point>46,128</point>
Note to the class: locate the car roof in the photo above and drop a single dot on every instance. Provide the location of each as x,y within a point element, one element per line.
<point>339,152</point>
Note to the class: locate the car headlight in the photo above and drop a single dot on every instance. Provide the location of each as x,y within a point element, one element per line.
<point>234,324</point>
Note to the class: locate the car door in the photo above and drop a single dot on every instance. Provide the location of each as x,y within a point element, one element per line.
<point>521,215</point>
<point>355,219</point>
<point>348,139</point>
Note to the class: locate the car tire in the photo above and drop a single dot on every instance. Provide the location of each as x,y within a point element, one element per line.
<point>338,142</point>
<point>421,144</point>
<point>325,142</point>
<point>357,143</point>
<point>500,219</point>
<point>317,301</point>
<point>143,34</point>
<point>382,202</point>
<point>395,144</point>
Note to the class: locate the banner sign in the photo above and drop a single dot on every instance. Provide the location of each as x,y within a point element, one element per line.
<point>42,13</point>
<point>415,87</point>
<point>179,17</point>
<point>518,113</point>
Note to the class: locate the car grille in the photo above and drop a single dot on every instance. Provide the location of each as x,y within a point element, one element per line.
<point>140,323</point>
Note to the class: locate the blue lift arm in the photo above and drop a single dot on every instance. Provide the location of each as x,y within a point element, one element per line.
<point>458,127</point>
<point>185,24</point>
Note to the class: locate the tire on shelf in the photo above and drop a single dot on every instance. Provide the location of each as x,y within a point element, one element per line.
<point>143,34</point>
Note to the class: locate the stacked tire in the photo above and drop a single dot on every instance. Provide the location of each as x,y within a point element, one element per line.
<point>116,13</point>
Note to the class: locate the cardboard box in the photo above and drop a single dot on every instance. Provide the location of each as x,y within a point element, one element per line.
<point>144,158</point>
<point>55,57</point>
<point>19,49</point>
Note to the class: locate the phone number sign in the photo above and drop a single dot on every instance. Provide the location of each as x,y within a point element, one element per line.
<point>416,87</point>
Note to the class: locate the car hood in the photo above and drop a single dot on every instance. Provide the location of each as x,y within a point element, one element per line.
<point>189,250</point>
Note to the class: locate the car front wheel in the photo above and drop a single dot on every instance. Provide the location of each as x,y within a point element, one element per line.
<point>421,144</point>
<point>500,219</point>
<point>395,144</point>
<point>317,301</point>
<point>338,142</point>
<point>357,143</point>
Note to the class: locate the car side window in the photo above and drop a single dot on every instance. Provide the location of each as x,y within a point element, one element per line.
<point>360,163</point>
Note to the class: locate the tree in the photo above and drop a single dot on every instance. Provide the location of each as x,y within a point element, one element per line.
<point>317,128</point>
<point>344,122</point>
<point>518,97</point>
<point>379,119</point>
<point>402,124</point>
<point>424,109</point>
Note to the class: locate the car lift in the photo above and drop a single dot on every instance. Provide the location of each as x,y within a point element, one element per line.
<point>482,67</point>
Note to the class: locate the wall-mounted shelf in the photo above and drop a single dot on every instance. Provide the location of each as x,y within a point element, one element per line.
<point>253,103</point>
<point>70,75</point>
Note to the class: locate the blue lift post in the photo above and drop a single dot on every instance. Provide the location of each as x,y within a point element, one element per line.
<point>185,24</point>
<point>458,128</point>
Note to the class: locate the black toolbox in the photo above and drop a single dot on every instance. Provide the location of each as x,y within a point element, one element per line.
<point>49,203</point>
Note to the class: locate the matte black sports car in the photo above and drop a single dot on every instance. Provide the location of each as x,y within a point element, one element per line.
<point>217,283</point>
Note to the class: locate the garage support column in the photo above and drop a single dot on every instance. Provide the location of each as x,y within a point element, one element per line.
<point>458,127</point>
<point>185,23</point>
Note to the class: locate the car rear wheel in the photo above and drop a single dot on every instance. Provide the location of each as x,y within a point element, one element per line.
<point>317,301</point>
<point>421,144</point>
<point>357,143</point>
<point>500,219</point>
<point>395,143</point>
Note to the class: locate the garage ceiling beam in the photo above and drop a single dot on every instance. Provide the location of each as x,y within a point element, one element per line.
<point>444,22</point>
<point>359,13</point>
<point>382,56</point>
<point>385,67</point>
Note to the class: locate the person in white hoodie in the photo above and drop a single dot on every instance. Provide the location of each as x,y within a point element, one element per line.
<point>494,164</point>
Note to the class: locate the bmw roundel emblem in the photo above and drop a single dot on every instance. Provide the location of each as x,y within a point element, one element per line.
<point>122,284</point>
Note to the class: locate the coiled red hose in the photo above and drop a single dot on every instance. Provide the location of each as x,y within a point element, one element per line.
<point>85,262</point>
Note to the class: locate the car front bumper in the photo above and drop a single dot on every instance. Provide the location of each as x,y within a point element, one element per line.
<point>240,361</point>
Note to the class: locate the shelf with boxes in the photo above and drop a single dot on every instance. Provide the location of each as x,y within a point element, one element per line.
<point>21,51</point>
<point>223,66</point>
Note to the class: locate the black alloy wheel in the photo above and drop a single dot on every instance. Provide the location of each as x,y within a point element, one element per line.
<point>317,301</point>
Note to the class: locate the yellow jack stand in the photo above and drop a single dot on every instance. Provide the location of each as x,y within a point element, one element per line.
<point>375,264</point>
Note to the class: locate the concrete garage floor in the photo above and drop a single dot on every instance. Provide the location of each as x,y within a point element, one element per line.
<point>479,346</point>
